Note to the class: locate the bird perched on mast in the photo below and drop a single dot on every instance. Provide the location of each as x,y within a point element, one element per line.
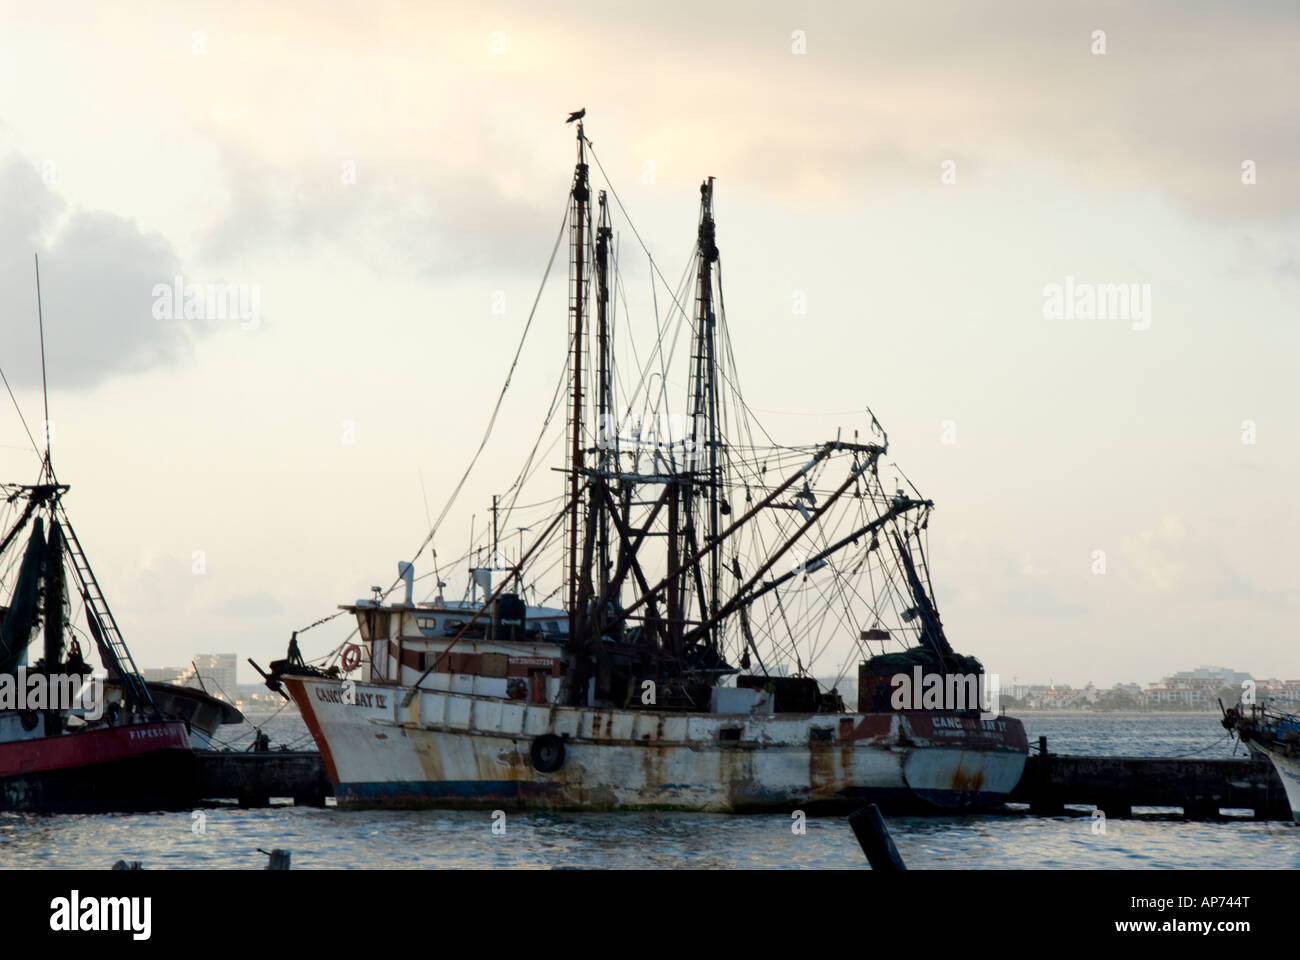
<point>577,115</point>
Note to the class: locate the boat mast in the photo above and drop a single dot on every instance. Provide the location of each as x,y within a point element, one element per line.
<point>577,261</point>
<point>606,430</point>
<point>54,577</point>
<point>45,390</point>
<point>704,399</point>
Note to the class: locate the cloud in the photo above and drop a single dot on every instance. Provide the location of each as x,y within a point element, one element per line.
<point>248,606</point>
<point>382,213</point>
<point>455,147</point>
<point>98,271</point>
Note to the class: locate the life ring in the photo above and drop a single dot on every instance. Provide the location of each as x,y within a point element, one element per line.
<point>547,753</point>
<point>351,657</point>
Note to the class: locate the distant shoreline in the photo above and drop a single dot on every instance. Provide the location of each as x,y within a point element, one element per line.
<point>1075,711</point>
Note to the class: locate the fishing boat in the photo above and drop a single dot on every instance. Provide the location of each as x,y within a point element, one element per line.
<point>202,713</point>
<point>1274,735</point>
<point>651,641</point>
<point>74,747</point>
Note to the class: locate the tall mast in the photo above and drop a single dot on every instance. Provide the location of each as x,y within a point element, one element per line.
<point>606,429</point>
<point>577,253</point>
<point>704,389</point>
<point>45,390</point>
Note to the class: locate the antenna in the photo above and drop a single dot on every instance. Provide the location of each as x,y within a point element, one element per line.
<point>425,494</point>
<point>437,576</point>
<point>45,392</point>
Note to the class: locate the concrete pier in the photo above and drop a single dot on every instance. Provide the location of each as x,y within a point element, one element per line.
<point>255,778</point>
<point>1200,788</point>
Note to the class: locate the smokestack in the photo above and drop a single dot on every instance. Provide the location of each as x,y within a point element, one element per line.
<point>407,572</point>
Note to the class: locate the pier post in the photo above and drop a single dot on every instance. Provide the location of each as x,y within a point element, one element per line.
<point>279,859</point>
<point>873,836</point>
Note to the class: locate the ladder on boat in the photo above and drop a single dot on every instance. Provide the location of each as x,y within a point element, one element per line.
<point>112,648</point>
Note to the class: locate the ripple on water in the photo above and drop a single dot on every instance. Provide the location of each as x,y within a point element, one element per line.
<point>321,838</point>
<point>414,839</point>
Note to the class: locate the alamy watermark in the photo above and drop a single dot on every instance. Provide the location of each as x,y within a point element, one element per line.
<point>1074,300</point>
<point>75,913</point>
<point>52,691</point>
<point>953,691</point>
<point>179,300</point>
<point>677,438</point>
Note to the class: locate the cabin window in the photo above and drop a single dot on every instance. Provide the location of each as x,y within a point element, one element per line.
<point>729,734</point>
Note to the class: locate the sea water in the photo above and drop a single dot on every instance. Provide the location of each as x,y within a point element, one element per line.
<point>228,838</point>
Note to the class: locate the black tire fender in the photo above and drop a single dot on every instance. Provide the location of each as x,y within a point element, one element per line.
<point>547,753</point>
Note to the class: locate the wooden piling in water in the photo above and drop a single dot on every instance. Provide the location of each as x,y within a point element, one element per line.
<point>873,836</point>
<point>279,859</point>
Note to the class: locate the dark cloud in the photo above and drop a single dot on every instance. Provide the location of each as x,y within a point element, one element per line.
<point>98,272</point>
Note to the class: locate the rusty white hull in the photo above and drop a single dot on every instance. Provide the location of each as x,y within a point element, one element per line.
<point>448,749</point>
<point>1288,771</point>
<point>1287,766</point>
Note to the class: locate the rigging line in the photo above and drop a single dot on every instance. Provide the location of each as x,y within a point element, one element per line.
<point>527,470</point>
<point>816,650</point>
<point>320,621</point>
<point>925,553</point>
<point>907,598</point>
<point>479,544</point>
<point>1208,746</point>
<point>840,580</point>
<point>816,643</point>
<point>496,410</point>
<point>553,502</point>
<point>621,295</point>
<point>35,446</point>
<point>645,377</point>
<point>532,313</point>
<point>731,359</point>
<point>636,233</point>
<point>45,390</point>
<point>550,501</point>
<point>557,397</point>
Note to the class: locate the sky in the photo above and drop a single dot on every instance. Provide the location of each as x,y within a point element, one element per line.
<point>1115,493</point>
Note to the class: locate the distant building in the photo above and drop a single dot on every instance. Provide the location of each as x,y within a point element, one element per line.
<point>1203,672</point>
<point>173,675</point>
<point>1191,690</point>
<point>1056,696</point>
<point>1198,689</point>
<point>216,675</point>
